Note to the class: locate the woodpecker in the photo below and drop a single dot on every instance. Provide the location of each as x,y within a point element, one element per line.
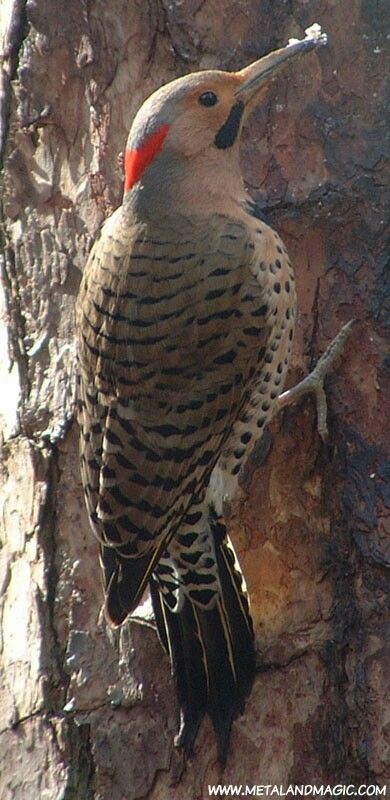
<point>185,320</point>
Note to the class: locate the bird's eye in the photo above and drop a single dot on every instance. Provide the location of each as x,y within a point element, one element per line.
<point>208,99</point>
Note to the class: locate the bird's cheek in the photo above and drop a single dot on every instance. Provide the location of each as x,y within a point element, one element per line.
<point>189,136</point>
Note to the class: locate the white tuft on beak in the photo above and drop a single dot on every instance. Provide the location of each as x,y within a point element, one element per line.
<point>314,33</point>
<point>260,71</point>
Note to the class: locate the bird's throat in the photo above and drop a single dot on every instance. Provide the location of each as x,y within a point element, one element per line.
<point>138,159</point>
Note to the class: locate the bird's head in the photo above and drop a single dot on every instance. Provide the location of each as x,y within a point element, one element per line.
<point>190,128</point>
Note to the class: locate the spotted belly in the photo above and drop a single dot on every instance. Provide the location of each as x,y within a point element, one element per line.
<point>277,275</point>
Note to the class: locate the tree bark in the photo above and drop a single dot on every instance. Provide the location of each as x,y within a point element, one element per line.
<point>90,713</point>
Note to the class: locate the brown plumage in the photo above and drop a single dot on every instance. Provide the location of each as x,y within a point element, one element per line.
<point>184,320</point>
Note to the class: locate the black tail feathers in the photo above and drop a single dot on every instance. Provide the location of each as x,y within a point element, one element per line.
<point>211,649</point>
<point>125,583</point>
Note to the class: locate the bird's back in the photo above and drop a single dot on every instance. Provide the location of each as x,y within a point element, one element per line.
<point>178,323</point>
<point>170,321</point>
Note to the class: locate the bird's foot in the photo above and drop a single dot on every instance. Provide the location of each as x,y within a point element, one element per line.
<point>314,382</point>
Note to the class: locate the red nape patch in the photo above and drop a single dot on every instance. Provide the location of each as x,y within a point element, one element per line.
<point>136,161</point>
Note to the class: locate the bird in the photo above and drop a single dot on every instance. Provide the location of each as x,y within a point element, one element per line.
<point>184,321</point>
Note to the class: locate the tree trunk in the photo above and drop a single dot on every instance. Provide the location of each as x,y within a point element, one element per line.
<point>90,713</point>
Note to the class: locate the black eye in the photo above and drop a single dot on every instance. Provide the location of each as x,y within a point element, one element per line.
<point>208,99</point>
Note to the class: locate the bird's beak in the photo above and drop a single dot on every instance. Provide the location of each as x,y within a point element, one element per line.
<point>253,77</point>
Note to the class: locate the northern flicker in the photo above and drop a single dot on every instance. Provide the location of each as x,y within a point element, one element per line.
<point>185,320</point>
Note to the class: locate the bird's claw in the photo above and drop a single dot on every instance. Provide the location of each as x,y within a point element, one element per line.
<point>314,382</point>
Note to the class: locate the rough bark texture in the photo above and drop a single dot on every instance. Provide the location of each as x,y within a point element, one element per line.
<point>87,713</point>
